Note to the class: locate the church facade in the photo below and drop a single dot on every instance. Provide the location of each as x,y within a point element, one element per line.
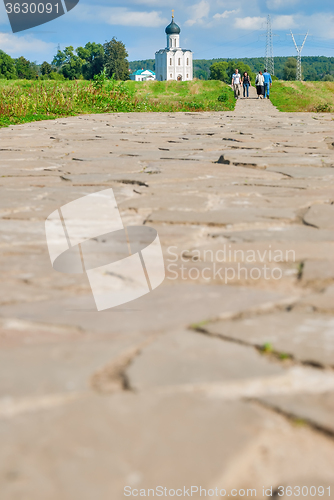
<point>173,63</point>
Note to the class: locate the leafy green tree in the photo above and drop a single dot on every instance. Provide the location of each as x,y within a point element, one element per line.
<point>26,69</point>
<point>218,71</point>
<point>146,64</point>
<point>311,75</point>
<point>223,70</point>
<point>46,68</point>
<point>54,75</point>
<point>328,78</point>
<point>290,69</point>
<point>115,58</point>
<point>59,59</point>
<point>7,66</point>
<point>314,67</point>
<point>201,74</point>
<point>93,56</point>
<point>69,64</point>
<point>242,67</point>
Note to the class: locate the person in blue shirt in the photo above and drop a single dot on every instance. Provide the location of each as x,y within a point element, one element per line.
<point>267,83</point>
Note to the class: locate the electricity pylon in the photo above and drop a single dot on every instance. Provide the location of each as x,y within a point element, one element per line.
<point>269,48</point>
<point>299,56</point>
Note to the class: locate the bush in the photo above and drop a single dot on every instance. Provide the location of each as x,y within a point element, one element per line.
<point>323,108</point>
<point>56,76</point>
<point>223,97</point>
<point>328,78</point>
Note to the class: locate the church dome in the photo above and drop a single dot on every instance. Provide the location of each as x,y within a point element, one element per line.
<point>173,29</point>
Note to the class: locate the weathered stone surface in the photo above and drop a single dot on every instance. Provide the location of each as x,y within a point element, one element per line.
<point>70,428</point>
<point>280,233</point>
<point>318,409</point>
<point>94,447</point>
<point>167,307</point>
<point>318,271</point>
<point>322,301</point>
<point>275,160</point>
<point>222,217</point>
<point>321,216</point>
<point>60,366</point>
<point>305,336</point>
<point>300,172</point>
<point>187,357</point>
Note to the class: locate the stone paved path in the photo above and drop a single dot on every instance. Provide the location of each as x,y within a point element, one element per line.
<point>223,376</point>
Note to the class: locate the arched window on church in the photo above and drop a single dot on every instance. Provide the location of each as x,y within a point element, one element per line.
<point>170,61</point>
<point>187,61</point>
<point>179,62</point>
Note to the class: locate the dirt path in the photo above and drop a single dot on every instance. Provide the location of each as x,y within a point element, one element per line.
<point>253,104</point>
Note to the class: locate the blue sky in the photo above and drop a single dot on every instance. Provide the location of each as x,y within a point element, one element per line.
<point>210,28</point>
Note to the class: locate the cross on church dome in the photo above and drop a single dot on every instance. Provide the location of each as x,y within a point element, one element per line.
<point>173,28</point>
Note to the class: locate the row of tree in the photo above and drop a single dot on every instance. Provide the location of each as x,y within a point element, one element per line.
<point>313,68</point>
<point>224,70</point>
<point>11,69</point>
<point>81,63</point>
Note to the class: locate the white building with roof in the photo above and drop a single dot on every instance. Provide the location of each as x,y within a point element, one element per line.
<point>142,75</point>
<point>173,63</point>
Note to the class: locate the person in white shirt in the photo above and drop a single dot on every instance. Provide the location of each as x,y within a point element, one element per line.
<point>259,82</point>
<point>236,83</point>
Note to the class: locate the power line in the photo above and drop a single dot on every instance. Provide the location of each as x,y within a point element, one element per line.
<point>269,57</point>
<point>299,56</point>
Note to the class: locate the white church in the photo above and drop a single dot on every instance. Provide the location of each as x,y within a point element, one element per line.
<point>173,63</point>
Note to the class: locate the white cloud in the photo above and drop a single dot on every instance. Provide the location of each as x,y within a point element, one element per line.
<point>283,22</point>
<point>121,16</point>
<point>16,46</point>
<point>226,14</point>
<point>321,26</point>
<point>199,11</point>
<point>250,23</point>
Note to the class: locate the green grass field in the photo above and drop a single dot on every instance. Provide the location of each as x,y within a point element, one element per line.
<point>183,96</point>
<point>303,96</point>
<point>24,101</point>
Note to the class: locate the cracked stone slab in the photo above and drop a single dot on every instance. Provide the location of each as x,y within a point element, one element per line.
<point>275,159</point>
<point>222,217</point>
<point>280,233</point>
<point>304,172</point>
<point>168,307</point>
<point>187,357</point>
<point>52,366</point>
<point>92,447</point>
<point>318,409</point>
<point>322,301</point>
<point>318,271</point>
<point>309,338</point>
<point>78,441</point>
<point>321,216</point>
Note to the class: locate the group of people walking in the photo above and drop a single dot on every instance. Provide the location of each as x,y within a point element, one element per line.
<point>263,83</point>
